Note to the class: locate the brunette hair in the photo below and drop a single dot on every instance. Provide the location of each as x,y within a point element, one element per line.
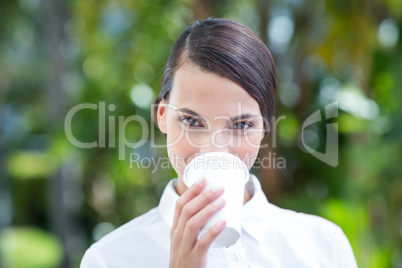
<point>231,50</point>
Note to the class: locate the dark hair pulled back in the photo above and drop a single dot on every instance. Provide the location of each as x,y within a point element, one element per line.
<point>231,50</point>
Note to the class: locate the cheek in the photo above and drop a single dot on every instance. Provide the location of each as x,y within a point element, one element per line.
<point>248,149</point>
<point>178,148</point>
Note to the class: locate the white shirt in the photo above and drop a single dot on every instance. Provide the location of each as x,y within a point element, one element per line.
<point>270,237</point>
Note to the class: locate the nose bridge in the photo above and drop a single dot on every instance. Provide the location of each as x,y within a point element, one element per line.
<point>218,141</point>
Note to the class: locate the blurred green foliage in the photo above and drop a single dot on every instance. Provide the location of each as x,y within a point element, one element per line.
<point>55,55</point>
<point>29,248</point>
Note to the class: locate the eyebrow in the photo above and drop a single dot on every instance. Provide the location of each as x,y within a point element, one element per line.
<point>231,119</point>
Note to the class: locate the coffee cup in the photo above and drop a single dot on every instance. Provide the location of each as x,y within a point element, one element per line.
<point>230,172</point>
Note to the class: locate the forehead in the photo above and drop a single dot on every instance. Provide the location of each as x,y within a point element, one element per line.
<point>210,94</point>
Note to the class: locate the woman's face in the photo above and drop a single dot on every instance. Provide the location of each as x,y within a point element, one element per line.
<point>209,113</point>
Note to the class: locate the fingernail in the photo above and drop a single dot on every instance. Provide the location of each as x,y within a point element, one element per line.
<point>220,224</point>
<point>200,181</point>
<point>218,189</point>
<point>219,202</point>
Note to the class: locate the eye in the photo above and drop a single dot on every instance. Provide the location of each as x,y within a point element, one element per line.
<point>191,122</point>
<point>242,125</point>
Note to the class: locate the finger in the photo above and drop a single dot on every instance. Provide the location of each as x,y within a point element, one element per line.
<point>189,194</point>
<point>199,202</point>
<point>196,204</point>
<point>202,246</point>
<point>188,211</point>
<point>196,223</point>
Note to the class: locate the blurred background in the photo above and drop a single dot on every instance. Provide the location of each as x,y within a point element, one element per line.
<point>56,199</point>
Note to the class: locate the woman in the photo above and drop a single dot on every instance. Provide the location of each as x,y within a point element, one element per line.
<point>218,95</point>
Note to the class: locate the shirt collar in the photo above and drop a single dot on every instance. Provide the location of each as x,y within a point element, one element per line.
<point>254,211</point>
<point>167,203</point>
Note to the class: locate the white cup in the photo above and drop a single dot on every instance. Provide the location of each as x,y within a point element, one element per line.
<point>229,171</point>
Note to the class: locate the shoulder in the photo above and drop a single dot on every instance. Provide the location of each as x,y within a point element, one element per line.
<point>130,243</point>
<point>302,224</point>
<point>311,234</point>
<point>140,223</point>
<point>291,218</point>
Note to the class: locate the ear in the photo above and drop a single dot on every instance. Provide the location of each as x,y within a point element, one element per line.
<point>161,116</point>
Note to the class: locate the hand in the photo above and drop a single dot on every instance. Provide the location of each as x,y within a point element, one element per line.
<point>193,210</point>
